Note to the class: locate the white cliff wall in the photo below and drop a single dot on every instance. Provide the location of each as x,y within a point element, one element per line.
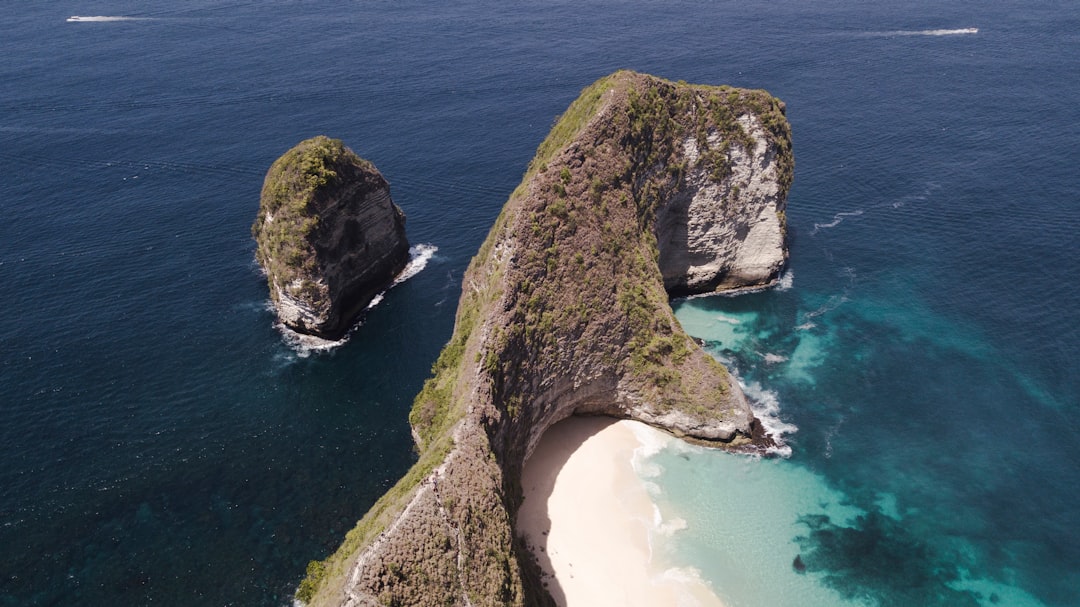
<point>717,236</point>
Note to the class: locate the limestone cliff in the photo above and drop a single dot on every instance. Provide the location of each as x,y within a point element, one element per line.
<point>329,237</point>
<point>726,231</point>
<point>642,184</point>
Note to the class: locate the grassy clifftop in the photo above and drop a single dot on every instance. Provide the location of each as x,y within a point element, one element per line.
<point>290,196</point>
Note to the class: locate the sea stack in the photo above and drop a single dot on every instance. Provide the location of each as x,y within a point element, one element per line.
<point>328,236</point>
<point>644,188</point>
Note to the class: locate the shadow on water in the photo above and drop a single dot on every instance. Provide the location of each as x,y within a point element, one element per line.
<point>877,556</point>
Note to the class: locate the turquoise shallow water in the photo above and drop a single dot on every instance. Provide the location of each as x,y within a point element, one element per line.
<point>743,534</point>
<point>906,480</point>
<point>161,444</point>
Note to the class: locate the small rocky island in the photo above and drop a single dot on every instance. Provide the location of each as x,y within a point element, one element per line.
<point>643,189</point>
<point>328,236</point>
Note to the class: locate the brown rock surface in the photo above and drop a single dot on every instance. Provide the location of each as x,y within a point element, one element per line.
<point>564,311</point>
<point>329,237</point>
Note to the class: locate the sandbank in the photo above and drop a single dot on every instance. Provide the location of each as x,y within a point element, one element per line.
<point>587,517</point>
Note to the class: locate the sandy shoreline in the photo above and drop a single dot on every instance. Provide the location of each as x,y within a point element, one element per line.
<point>587,517</point>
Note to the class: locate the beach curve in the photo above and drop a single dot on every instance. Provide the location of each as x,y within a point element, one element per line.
<point>588,518</point>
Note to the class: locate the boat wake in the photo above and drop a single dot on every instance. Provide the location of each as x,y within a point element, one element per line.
<point>964,31</point>
<point>104,18</point>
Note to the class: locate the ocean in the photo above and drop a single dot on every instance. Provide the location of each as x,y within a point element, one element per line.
<point>161,443</point>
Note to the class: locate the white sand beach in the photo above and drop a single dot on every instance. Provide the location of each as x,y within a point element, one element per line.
<point>587,517</point>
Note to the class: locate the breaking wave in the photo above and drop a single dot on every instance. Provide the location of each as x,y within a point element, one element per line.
<point>960,31</point>
<point>650,442</point>
<point>783,283</point>
<point>766,407</point>
<point>665,527</point>
<point>419,256</point>
<point>786,281</point>
<point>305,345</point>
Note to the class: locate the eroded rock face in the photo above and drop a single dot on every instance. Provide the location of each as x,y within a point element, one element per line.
<point>720,235</point>
<point>329,237</point>
<point>564,310</point>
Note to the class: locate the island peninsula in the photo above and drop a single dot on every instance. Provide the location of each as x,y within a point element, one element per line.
<point>643,189</point>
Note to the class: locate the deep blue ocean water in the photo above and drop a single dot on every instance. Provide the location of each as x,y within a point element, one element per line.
<point>161,444</point>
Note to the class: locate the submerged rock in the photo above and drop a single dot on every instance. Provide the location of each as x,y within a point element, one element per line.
<point>328,236</point>
<point>564,310</point>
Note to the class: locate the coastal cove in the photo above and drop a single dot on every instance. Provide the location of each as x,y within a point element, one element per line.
<point>588,517</point>
<point>642,187</point>
<point>160,443</point>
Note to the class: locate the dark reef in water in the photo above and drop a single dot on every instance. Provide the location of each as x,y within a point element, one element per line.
<point>877,556</point>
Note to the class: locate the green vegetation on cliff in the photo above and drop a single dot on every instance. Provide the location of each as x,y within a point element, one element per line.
<point>328,236</point>
<point>288,212</point>
<point>562,310</point>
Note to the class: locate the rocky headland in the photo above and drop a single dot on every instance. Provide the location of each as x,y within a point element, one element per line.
<point>644,188</point>
<point>328,236</point>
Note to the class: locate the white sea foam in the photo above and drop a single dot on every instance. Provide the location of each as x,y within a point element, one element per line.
<point>419,256</point>
<point>104,18</point>
<point>831,433</point>
<point>650,443</point>
<point>837,220</point>
<point>786,281</point>
<point>305,345</point>
<point>942,32</point>
<point>962,31</point>
<point>683,579</point>
<point>668,528</point>
<point>681,574</point>
<point>731,320</point>
<point>772,359</point>
<point>766,407</point>
<point>834,302</point>
<point>652,488</point>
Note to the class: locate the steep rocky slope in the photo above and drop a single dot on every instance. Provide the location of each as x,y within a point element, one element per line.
<point>329,237</point>
<point>643,186</point>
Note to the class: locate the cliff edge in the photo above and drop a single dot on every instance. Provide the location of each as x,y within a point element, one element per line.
<point>643,188</point>
<point>328,236</point>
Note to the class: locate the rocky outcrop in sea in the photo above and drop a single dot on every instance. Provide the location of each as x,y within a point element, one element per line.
<point>328,236</point>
